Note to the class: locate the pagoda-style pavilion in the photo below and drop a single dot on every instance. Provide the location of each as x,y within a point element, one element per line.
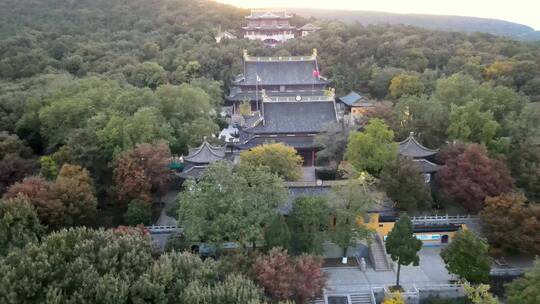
<point>280,78</point>
<point>423,156</point>
<point>198,159</point>
<point>271,27</point>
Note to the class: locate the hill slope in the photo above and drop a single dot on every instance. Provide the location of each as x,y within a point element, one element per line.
<point>434,22</point>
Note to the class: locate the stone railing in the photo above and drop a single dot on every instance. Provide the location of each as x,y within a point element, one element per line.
<point>156,229</point>
<point>442,218</point>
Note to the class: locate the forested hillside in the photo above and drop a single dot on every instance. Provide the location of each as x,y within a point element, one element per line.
<point>432,22</point>
<point>83,81</point>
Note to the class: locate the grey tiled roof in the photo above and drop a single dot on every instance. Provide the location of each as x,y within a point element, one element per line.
<point>426,166</point>
<point>355,99</point>
<point>297,142</point>
<point>295,117</point>
<point>268,14</point>
<point>205,154</point>
<point>281,72</point>
<point>194,172</point>
<point>412,148</point>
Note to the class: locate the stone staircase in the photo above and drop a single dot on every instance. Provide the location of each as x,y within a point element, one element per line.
<point>361,298</point>
<point>377,254</point>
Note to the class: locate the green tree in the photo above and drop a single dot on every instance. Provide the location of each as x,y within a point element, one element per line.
<point>48,167</point>
<point>348,203</point>
<point>280,159</point>
<point>19,224</point>
<point>470,124</point>
<point>373,149</point>
<point>230,204</point>
<point>333,142</point>
<point>525,290</point>
<point>479,294</point>
<point>467,256</point>
<point>185,278</point>
<point>381,79</point>
<point>82,265</point>
<point>403,182</point>
<point>138,212</point>
<point>405,84</point>
<point>402,245</point>
<point>308,224</point>
<point>426,117</point>
<point>455,89</point>
<point>524,157</point>
<point>147,74</point>
<point>276,233</point>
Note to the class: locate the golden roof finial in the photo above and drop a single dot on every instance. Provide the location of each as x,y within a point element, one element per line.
<point>315,52</point>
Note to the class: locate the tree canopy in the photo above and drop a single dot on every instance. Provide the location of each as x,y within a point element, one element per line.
<point>115,266</point>
<point>372,149</point>
<point>402,245</point>
<point>348,203</point>
<point>525,290</point>
<point>467,256</point>
<point>510,223</point>
<point>19,224</point>
<point>403,182</point>
<point>281,159</point>
<point>230,204</point>
<point>469,175</point>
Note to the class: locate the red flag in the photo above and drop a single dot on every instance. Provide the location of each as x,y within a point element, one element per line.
<point>316,74</point>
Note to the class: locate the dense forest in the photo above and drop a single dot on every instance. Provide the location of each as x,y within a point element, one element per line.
<point>83,81</point>
<point>96,96</point>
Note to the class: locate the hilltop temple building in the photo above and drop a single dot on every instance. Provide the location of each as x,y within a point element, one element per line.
<point>273,27</point>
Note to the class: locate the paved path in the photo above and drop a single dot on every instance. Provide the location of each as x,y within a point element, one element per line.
<point>352,280</point>
<point>164,219</point>
<point>308,174</point>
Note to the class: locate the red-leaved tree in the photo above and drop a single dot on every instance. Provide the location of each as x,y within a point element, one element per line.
<point>469,176</point>
<point>154,159</point>
<point>142,171</point>
<point>69,200</point>
<point>288,278</point>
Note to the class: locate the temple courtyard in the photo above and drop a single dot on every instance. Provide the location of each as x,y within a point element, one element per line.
<point>431,271</point>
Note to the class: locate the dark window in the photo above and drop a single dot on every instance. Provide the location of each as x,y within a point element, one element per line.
<point>444,239</point>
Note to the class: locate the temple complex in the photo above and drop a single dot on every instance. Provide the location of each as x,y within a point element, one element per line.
<point>287,102</point>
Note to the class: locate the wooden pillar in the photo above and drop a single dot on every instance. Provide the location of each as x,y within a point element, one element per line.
<point>313,157</point>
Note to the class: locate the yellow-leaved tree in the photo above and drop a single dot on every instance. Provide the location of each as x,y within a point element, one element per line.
<point>279,158</point>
